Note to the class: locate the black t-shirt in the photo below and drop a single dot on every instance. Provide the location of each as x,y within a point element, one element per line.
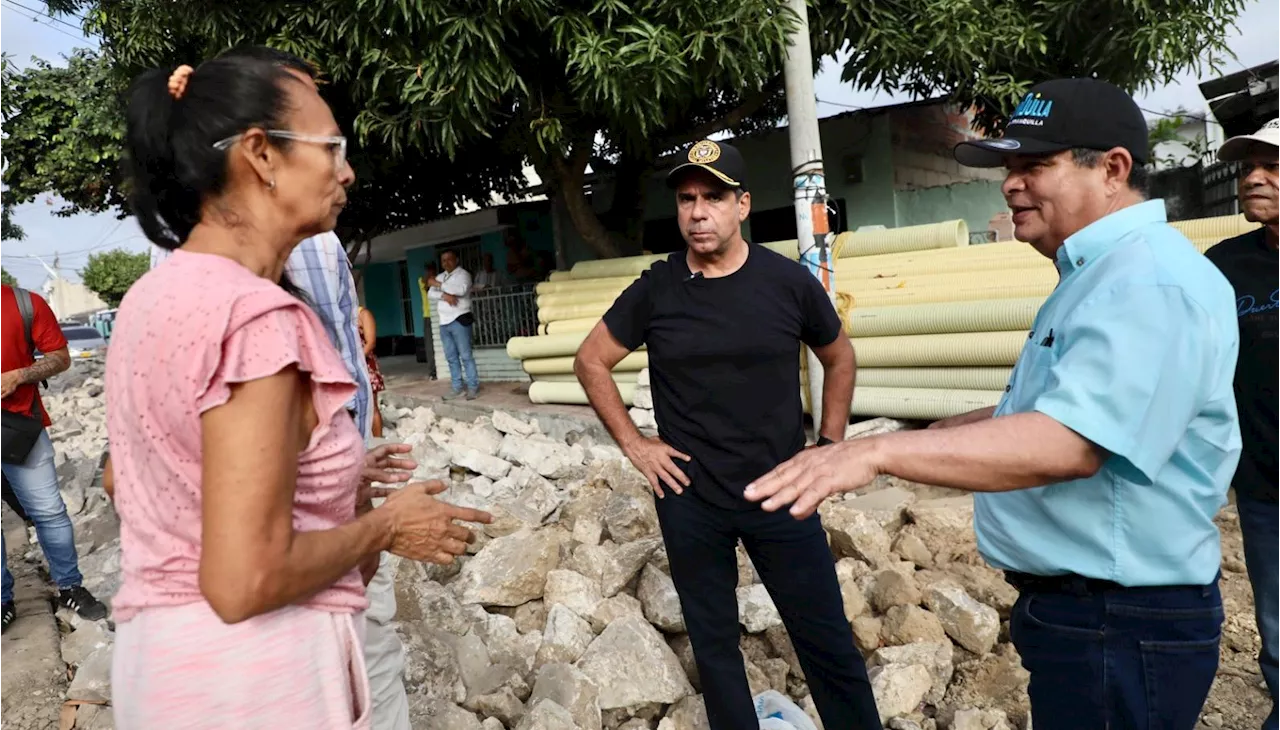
<point>1250,264</point>
<point>724,363</point>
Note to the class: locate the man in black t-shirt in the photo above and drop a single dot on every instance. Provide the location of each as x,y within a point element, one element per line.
<point>1250,263</point>
<point>723,322</point>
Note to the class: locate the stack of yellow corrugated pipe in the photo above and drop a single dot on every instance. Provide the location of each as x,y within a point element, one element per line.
<point>937,324</point>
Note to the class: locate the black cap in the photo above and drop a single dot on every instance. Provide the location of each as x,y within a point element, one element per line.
<point>1060,114</point>
<point>723,161</point>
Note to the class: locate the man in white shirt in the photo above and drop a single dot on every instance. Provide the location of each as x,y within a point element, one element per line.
<point>451,291</point>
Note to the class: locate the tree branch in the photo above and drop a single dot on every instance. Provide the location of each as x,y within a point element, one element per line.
<point>734,117</point>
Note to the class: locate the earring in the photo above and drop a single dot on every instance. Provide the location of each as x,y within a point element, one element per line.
<point>271,184</point>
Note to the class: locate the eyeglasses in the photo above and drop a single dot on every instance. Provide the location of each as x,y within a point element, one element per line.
<point>337,142</point>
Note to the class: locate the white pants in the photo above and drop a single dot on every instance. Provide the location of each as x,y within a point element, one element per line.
<point>383,652</point>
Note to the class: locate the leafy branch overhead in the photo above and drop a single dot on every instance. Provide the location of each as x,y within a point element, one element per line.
<point>447,99</point>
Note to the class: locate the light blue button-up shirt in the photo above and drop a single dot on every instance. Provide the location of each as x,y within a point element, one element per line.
<point>1135,350</point>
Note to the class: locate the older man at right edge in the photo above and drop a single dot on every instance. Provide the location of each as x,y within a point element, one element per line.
<point>1250,263</point>
<point>1101,470</point>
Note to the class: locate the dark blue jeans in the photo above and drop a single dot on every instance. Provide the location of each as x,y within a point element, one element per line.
<point>1258,526</point>
<point>457,351</point>
<point>795,565</point>
<point>1122,659</point>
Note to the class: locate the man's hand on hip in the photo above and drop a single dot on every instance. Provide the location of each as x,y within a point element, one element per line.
<point>656,461</point>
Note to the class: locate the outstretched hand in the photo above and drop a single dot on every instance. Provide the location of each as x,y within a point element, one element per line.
<point>813,475</point>
<point>424,528</point>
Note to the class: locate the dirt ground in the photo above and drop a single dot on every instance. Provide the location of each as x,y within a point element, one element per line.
<point>1239,699</point>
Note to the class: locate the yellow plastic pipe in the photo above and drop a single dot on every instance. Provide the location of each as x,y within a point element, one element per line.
<point>965,349</point>
<point>540,346</point>
<point>862,268</point>
<point>992,315</point>
<point>632,363</point>
<point>1218,228</point>
<point>620,378</point>
<point>568,325</point>
<point>988,378</point>
<point>572,393</point>
<point>898,297</point>
<point>947,234</point>
<point>951,280</point>
<point>927,404</point>
<point>575,285</point>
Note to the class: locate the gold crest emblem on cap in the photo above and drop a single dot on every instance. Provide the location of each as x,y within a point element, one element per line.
<point>704,152</point>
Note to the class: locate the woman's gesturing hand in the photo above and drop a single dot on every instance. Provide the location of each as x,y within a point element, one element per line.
<point>423,528</point>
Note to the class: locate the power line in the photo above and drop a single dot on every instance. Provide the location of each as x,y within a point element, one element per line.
<point>47,15</point>
<point>50,26</point>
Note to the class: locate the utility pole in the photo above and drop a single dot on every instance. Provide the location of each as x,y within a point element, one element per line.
<point>808,181</point>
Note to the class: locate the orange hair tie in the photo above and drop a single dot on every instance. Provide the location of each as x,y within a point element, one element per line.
<point>178,80</point>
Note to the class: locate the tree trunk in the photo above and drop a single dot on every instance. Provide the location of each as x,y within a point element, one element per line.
<point>570,178</point>
<point>630,189</point>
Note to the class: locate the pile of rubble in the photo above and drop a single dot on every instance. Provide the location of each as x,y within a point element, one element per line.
<point>563,615</point>
<point>75,404</point>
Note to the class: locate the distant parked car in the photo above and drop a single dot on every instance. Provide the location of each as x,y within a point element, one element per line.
<point>84,341</point>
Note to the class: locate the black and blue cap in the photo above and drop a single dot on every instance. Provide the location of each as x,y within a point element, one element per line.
<point>1059,115</point>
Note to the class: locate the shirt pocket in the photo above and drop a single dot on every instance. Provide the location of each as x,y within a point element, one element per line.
<point>1031,374</point>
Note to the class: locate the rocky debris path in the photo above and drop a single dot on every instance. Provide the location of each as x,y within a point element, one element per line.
<point>34,677</point>
<point>563,614</point>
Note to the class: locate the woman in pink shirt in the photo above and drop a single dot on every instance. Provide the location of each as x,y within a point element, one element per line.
<point>236,464</point>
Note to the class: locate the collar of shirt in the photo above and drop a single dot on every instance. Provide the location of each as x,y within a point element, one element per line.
<point>1104,234</point>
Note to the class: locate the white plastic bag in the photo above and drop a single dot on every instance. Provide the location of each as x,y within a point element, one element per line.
<point>777,712</point>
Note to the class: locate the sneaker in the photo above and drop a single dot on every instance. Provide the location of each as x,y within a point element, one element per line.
<point>10,613</point>
<point>80,600</point>
<point>473,394</point>
<point>454,395</point>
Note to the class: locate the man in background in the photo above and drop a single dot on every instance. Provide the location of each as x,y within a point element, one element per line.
<point>428,339</point>
<point>488,277</point>
<point>35,481</point>
<point>452,293</point>
<point>1250,263</point>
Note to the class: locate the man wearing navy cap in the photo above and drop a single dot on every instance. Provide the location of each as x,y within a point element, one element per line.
<point>723,321</point>
<point>1100,471</point>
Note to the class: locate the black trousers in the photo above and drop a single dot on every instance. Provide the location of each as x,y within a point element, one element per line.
<point>429,342</point>
<point>795,565</point>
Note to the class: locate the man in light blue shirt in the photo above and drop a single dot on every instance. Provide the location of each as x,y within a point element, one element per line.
<point>1101,469</point>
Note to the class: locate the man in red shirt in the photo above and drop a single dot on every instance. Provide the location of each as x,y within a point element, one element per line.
<point>35,482</point>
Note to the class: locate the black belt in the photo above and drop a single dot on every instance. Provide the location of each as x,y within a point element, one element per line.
<point>1077,585</point>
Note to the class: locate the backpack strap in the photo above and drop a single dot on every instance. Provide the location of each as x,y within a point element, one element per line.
<point>28,312</point>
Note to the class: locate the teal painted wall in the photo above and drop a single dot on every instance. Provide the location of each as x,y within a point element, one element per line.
<point>382,298</point>
<point>975,202</point>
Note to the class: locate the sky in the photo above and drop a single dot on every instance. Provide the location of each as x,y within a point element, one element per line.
<point>26,32</point>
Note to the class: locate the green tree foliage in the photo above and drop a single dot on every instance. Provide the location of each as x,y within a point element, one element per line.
<point>110,274</point>
<point>9,231</point>
<point>63,129</point>
<point>447,97</point>
<point>7,278</point>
